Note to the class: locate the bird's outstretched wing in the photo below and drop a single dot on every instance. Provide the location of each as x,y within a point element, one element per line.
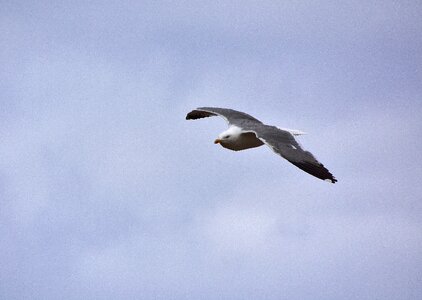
<point>284,144</point>
<point>233,117</point>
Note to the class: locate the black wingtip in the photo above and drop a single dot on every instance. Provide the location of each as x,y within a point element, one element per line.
<point>317,170</point>
<point>328,176</point>
<point>198,114</point>
<point>189,116</point>
<point>333,180</point>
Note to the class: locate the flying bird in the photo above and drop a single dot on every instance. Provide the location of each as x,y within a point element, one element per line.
<point>246,132</point>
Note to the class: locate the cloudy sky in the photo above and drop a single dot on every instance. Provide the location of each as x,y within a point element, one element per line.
<point>107,192</point>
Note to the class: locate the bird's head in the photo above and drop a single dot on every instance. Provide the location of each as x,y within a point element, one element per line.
<point>222,139</point>
<point>229,136</point>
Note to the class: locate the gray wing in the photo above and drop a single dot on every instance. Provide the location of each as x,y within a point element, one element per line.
<point>233,117</point>
<point>284,144</point>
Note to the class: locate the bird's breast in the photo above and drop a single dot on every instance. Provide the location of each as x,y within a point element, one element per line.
<point>243,141</point>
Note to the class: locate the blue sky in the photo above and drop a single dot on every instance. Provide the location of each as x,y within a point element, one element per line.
<point>107,192</point>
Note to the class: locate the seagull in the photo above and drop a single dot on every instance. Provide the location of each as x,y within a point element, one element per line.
<point>246,132</point>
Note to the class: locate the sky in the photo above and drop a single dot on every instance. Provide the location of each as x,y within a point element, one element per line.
<point>107,192</point>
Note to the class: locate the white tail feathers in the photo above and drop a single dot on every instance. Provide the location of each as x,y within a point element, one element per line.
<point>293,131</point>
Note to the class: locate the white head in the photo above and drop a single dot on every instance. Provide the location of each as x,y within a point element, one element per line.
<point>229,136</point>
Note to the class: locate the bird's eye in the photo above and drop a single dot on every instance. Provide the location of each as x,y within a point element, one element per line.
<point>227,136</point>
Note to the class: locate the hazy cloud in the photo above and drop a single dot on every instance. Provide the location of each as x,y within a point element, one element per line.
<point>107,192</point>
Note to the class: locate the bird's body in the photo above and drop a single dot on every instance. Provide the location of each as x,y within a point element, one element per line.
<point>246,132</point>
<point>236,140</point>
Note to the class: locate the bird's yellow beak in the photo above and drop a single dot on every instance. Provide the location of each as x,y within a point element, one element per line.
<point>217,141</point>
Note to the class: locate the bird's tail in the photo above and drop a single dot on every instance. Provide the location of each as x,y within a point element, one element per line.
<point>293,131</point>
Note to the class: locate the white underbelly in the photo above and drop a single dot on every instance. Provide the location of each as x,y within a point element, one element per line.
<point>245,141</point>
